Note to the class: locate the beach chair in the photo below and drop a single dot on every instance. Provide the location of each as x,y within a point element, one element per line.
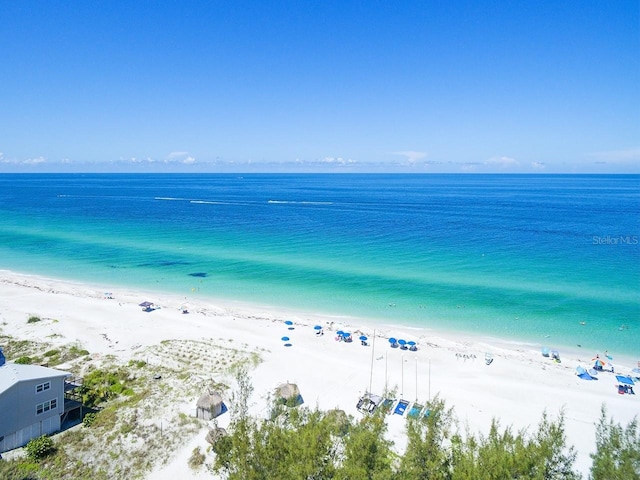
<point>386,405</point>
<point>401,407</point>
<point>488,358</point>
<point>415,410</point>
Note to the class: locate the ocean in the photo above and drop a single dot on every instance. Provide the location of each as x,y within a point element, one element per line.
<point>539,259</point>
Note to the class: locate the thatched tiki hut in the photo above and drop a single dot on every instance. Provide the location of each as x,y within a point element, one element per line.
<point>289,394</point>
<point>210,405</point>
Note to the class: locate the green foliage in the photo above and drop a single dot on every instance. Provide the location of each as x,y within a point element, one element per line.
<point>617,455</point>
<point>426,456</point>
<point>33,319</point>
<point>367,454</point>
<point>18,470</point>
<point>52,353</point>
<point>102,385</point>
<point>24,360</point>
<point>89,419</point>
<point>137,363</point>
<point>503,454</point>
<point>39,448</point>
<point>196,459</point>
<point>75,352</point>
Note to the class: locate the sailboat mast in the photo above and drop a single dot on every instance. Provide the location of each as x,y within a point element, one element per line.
<point>373,348</point>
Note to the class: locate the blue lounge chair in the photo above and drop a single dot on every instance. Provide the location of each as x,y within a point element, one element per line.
<point>415,410</point>
<point>401,407</point>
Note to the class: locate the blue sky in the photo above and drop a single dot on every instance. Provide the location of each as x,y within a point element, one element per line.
<point>295,86</point>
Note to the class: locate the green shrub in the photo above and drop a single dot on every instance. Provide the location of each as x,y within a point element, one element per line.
<point>76,352</point>
<point>39,448</point>
<point>137,363</point>
<point>33,319</point>
<point>24,360</point>
<point>197,458</point>
<point>89,419</point>
<point>52,353</point>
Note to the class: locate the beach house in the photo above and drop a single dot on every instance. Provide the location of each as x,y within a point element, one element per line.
<point>32,402</point>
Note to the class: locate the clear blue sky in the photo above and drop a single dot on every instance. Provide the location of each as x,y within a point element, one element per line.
<point>241,86</point>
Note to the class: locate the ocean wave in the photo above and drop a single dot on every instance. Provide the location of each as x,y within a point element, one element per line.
<point>294,202</point>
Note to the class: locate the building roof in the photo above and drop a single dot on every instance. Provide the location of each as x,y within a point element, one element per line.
<point>12,373</point>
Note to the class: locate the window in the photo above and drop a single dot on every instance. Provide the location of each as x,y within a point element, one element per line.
<point>43,386</point>
<point>46,406</point>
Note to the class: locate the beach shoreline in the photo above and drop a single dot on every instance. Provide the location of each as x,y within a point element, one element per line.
<point>329,373</point>
<point>383,326</point>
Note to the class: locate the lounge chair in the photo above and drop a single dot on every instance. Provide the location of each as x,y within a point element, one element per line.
<point>401,407</point>
<point>415,410</point>
<point>386,405</point>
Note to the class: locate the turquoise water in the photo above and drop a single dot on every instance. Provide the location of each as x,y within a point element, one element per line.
<point>521,257</point>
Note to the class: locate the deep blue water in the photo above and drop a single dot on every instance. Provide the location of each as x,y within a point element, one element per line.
<point>536,258</point>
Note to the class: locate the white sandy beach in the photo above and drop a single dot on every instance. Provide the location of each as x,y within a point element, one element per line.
<point>517,387</point>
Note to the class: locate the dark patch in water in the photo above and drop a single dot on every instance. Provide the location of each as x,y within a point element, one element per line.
<point>199,274</point>
<point>162,264</point>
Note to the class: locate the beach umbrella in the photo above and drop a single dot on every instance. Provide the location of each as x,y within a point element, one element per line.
<point>288,322</point>
<point>402,343</point>
<point>317,327</point>
<point>393,341</point>
<point>625,380</point>
<point>346,334</point>
<point>363,338</point>
<point>285,339</point>
<point>599,363</point>
<point>411,343</point>
<point>340,332</point>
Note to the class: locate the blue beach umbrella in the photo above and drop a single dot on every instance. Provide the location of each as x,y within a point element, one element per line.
<point>411,343</point>
<point>285,339</point>
<point>402,342</point>
<point>288,322</point>
<point>317,327</point>
<point>340,332</point>
<point>346,334</point>
<point>392,340</point>
<point>625,380</point>
<point>363,338</point>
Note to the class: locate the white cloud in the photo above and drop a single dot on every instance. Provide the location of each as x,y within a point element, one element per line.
<point>337,161</point>
<point>503,162</point>
<point>34,161</point>
<point>411,156</point>
<point>180,157</point>
<point>26,161</point>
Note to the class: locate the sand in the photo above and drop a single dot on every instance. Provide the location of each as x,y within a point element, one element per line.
<point>518,386</point>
